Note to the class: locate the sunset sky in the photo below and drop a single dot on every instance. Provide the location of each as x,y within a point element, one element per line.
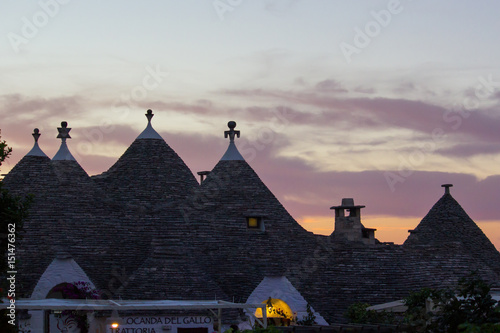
<point>381,101</point>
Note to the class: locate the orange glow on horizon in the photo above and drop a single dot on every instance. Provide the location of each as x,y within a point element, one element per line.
<point>390,228</point>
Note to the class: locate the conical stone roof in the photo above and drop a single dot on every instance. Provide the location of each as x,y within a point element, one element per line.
<point>172,269</point>
<point>149,173</point>
<point>61,214</point>
<point>448,223</point>
<point>203,247</point>
<point>32,173</point>
<point>219,212</point>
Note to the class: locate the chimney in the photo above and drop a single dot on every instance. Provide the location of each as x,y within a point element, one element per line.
<point>348,224</point>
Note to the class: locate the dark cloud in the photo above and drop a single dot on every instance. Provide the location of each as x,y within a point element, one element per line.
<point>301,188</point>
<point>16,107</point>
<point>405,87</point>
<point>298,185</point>
<point>199,152</point>
<point>105,135</point>
<point>200,107</point>
<point>412,195</point>
<point>380,114</point>
<point>330,86</point>
<point>470,149</point>
<point>304,190</point>
<point>364,90</point>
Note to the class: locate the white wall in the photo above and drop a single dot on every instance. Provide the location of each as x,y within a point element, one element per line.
<point>281,288</point>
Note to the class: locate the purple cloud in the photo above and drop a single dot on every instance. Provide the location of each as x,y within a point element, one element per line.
<point>330,86</point>
<point>470,149</point>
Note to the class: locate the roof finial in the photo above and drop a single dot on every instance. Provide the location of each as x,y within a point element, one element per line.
<point>231,133</point>
<point>36,134</point>
<point>64,131</point>
<point>232,153</point>
<point>36,151</point>
<point>202,175</point>
<point>63,154</point>
<point>149,115</point>
<point>149,132</point>
<point>447,188</point>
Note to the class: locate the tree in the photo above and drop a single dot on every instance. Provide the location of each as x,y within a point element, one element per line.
<point>13,210</point>
<point>308,320</point>
<point>5,151</point>
<point>470,306</point>
<point>419,314</point>
<point>358,313</point>
<point>467,308</point>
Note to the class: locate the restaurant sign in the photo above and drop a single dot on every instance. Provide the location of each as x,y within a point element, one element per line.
<point>160,324</point>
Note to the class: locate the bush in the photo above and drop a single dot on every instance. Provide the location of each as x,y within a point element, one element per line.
<point>357,313</point>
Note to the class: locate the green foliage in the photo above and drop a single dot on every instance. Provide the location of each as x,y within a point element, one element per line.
<point>308,320</point>
<point>358,313</point>
<point>13,210</point>
<point>468,308</point>
<point>5,151</point>
<point>484,328</point>
<point>472,305</point>
<point>419,313</point>
<point>269,329</point>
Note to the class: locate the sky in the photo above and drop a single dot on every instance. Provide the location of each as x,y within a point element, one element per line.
<point>380,101</point>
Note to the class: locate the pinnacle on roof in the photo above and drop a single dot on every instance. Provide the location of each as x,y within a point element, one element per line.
<point>36,151</point>
<point>447,188</point>
<point>149,132</point>
<point>232,153</point>
<point>202,175</point>
<point>63,154</point>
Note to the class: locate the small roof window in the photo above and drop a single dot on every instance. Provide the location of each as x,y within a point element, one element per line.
<point>255,223</point>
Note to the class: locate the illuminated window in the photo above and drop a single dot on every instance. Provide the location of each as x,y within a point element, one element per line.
<point>255,222</point>
<point>278,312</point>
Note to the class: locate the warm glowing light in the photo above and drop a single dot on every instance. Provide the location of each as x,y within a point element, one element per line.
<point>114,325</point>
<point>276,308</point>
<point>253,222</point>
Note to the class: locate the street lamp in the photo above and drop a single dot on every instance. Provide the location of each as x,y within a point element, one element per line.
<point>114,321</point>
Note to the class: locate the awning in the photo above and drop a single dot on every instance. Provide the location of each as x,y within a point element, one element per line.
<point>92,304</point>
<point>124,305</point>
